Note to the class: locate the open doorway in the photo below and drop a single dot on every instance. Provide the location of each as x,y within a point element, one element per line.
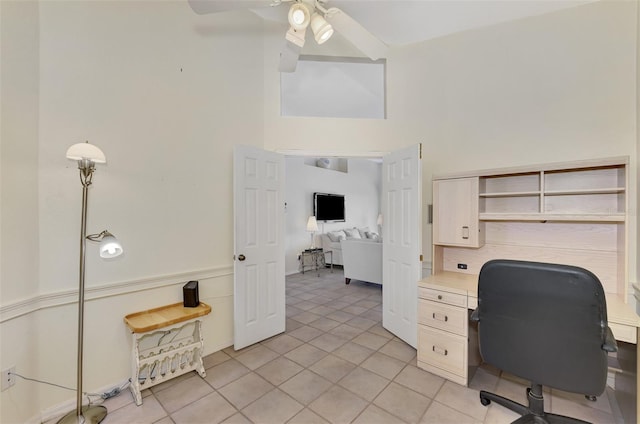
<point>358,179</point>
<point>259,271</point>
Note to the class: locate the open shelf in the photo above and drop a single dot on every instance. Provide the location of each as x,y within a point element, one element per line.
<point>593,194</point>
<point>550,217</point>
<point>511,194</point>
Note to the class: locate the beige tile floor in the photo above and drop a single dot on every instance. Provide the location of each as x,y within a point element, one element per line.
<point>335,363</point>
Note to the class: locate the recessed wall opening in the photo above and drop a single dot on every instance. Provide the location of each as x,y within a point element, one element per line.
<point>334,87</point>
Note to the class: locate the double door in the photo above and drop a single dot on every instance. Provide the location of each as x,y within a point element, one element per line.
<point>259,280</point>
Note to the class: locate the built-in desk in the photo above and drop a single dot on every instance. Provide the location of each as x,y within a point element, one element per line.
<point>573,213</point>
<point>447,349</point>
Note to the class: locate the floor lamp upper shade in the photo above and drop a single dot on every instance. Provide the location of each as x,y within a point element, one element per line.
<point>80,151</point>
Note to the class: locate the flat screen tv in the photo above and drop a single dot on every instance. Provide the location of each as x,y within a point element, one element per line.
<point>328,207</point>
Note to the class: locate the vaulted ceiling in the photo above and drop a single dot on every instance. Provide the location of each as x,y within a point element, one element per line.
<point>400,22</point>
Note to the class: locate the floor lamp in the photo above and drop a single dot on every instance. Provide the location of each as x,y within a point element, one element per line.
<point>87,156</point>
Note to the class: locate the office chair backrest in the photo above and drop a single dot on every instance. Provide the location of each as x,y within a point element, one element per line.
<point>546,323</point>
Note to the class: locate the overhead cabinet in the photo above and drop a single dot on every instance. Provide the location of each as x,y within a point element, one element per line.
<point>456,213</point>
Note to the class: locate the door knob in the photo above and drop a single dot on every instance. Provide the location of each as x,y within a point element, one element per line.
<point>241,258</point>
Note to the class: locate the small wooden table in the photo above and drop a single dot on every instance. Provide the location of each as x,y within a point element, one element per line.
<point>167,342</point>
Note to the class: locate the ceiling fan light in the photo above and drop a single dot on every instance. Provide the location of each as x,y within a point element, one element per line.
<point>299,16</point>
<point>296,36</point>
<point>322,30</point>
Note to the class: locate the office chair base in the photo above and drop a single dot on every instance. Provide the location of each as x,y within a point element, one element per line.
<point>532,414</point>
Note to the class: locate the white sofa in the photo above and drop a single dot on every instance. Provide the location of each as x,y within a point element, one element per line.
<point>362,260</point>
<point>331,241</point>
<point>334,246</point>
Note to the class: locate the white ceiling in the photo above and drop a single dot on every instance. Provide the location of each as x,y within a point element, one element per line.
<point>400,22</point>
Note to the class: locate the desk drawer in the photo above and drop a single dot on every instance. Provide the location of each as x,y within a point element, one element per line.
<point>443,297</point>
<point>445,317</point>
<point>442,350</point>
<point>473,302</point>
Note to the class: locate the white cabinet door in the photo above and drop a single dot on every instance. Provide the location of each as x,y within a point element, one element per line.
<point>455,212</point>
<point>259,281</point>
<point>402,242</point>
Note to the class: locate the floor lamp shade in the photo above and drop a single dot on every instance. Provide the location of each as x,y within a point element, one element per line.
<point>87,155</point>
<point>110,247</point>
<point>86,151</point>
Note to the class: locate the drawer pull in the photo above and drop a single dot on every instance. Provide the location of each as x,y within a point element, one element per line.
<point>446,318</point>
<point>439,350</point>
<point>439,297</point>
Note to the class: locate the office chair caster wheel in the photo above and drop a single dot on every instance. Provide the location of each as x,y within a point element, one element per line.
<point>592,398</point>
<point>484,401</point>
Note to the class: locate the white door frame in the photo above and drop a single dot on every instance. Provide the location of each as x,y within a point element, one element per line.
<point>334,154</point>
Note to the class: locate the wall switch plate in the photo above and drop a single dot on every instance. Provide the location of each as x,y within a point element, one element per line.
<point>8,378</point>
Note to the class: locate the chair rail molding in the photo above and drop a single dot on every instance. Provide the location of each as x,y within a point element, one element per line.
<point>64,297</point>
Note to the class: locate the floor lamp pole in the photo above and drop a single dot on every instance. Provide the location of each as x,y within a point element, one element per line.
<point>90,414</point>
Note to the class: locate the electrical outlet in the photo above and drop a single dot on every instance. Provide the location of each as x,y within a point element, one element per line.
<point>8,378</point>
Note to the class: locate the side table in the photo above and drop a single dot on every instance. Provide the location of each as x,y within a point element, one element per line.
<point>167,342</point>
<point>315,259</point>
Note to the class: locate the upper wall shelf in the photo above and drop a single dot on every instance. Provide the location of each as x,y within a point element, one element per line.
<point>550,217</point>
<point>593,193</point>
<point>585,191</point>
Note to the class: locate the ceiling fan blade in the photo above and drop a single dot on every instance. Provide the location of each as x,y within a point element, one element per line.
<point>202,7</point>
<point>355,33</point>
<point>289,57</point>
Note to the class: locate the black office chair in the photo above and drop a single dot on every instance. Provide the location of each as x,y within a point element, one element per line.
<point>546,323</point>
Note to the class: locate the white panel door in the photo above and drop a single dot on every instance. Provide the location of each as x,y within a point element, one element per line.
<point>259,283</point>
<point>402,242</point>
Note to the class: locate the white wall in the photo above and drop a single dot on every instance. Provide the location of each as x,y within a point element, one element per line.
<point>166,94</point>
<point>637,209</point>
<point>19,231</point>
<point>361,185</point>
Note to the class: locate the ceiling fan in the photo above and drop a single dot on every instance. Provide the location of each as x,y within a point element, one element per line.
<point>302,15</point>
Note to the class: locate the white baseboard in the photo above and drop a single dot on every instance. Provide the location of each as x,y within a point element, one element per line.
<point>61,409</point>
<point>58,411</point>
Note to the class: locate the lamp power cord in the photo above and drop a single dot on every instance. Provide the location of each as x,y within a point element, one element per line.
<point>103,396</point>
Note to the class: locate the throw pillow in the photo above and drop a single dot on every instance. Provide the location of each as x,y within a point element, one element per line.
<point>373,236</point>
<point>353,233</point>
<point>336,236</point>
<point>363,231</point>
